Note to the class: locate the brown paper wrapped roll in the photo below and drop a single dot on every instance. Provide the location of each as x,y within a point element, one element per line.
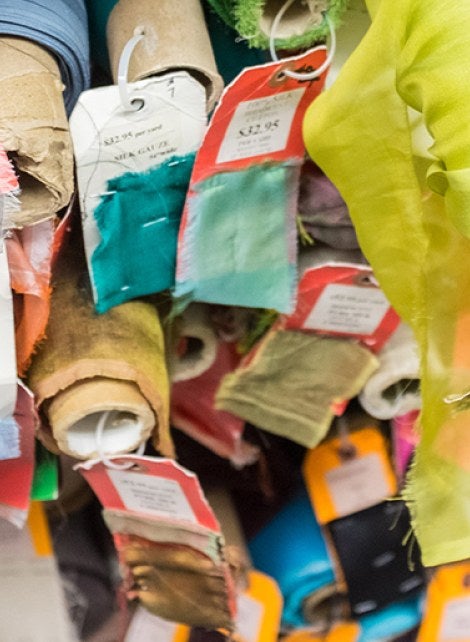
<point>93,364</point>
<point>34,130</point>
<point>175,38</point>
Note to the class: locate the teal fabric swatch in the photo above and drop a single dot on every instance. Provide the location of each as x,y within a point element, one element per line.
<point>239,246</point>
<point>138,223</point>
<point>98,14</point>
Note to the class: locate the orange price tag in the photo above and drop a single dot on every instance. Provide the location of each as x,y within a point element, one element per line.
<point>345,476</point>
<point>447,611</point>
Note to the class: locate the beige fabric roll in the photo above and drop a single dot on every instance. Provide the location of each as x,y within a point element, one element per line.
<point>175,37</point>
<point>34,130</point>
<point>92,364</point>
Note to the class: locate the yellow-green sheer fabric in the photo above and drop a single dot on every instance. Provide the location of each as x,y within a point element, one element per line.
<point>412,217</point>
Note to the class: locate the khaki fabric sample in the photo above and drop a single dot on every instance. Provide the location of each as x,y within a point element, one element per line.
<point>288,383</point>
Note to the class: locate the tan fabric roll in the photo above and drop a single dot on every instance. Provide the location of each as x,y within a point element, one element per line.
<point>34,130</point>
<point>175,37</point>
<point>92,364</point>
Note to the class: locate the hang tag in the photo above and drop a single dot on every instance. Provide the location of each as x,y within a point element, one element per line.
<point>32,605</point>
<point>258,119</point>
<point>259,610</point>
<point>447,609</point>
<point>346,476</point>
<point>109,141</point>
<point>303,636</point>
<point>7,344</point>
<point>155,487</point>
<point>145,626</point>
<point>344,300</point>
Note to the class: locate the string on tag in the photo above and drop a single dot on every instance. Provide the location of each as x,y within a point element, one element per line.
<point>331,50</point>
<point>123,69</point>
<point>100,426</point>
<point>347,450</point>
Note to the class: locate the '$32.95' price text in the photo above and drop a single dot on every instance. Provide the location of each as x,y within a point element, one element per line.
<point>258,128</point>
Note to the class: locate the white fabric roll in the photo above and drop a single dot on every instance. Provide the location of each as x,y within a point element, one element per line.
<point>393,389</point>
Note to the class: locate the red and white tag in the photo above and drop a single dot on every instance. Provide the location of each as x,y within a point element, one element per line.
<point>344,300</point>
<point>156,488</point>
<point>258,118</point>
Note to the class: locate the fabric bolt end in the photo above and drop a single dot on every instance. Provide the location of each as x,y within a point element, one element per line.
<point>124,345</point>
<point>288,384</point>
<point>175,37</point>
<point>59,27</point>
<point>139,210</point>
<point>34,130</point>
<point>302,25</point>
<point>394,388</point>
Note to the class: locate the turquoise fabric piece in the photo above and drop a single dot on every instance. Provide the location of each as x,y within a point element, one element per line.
<point>239,246</point>
<point>138,222</point>
<point>391,622</point>
<point>291,549</point>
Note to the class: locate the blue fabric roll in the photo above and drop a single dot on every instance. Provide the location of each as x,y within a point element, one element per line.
<point>59,26</point>
<point>392,621</point>
<point>291,549</point>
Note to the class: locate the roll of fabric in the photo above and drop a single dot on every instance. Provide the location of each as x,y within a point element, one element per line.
<point>303,23</point>
<point>290,381</point>
<point>175,37</point>
<point>193,412</point>
<point>197,344</point>
<point>90,365</point>
<point>34,129</point>
<point>291,549</point>
<point>59,26</point>
<point>393,389</point>
<point>323,212</point>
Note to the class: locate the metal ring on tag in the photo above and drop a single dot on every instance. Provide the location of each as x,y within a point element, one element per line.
<point>294,74</point>
<point>123,69</point>
<point>99,446</point>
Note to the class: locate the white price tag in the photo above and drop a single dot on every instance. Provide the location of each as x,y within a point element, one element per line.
<point>348,308</point>
<point>145,626</point>
<point>260,126</point>
<point>357,484</point>
<point>109,141</point>
<point>152,495</point>
<point>250,615</point>
<point>8,373</point>
<point>456,620</point>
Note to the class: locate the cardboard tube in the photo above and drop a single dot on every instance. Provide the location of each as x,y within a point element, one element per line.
<point>301,17</point>
<point>175,38</point>
<point>34,130</point>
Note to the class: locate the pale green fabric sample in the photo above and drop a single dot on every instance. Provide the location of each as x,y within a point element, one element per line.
<point>291,383</point>
<point>412,217</point>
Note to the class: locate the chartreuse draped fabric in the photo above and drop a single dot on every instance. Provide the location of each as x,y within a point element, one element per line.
<point>412,216</point>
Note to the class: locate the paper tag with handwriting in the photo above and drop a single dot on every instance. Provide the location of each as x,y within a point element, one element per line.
<point>346,476</point>
<point>110,141</point>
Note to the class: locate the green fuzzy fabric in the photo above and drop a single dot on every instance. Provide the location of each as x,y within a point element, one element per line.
<point>245,15</point>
